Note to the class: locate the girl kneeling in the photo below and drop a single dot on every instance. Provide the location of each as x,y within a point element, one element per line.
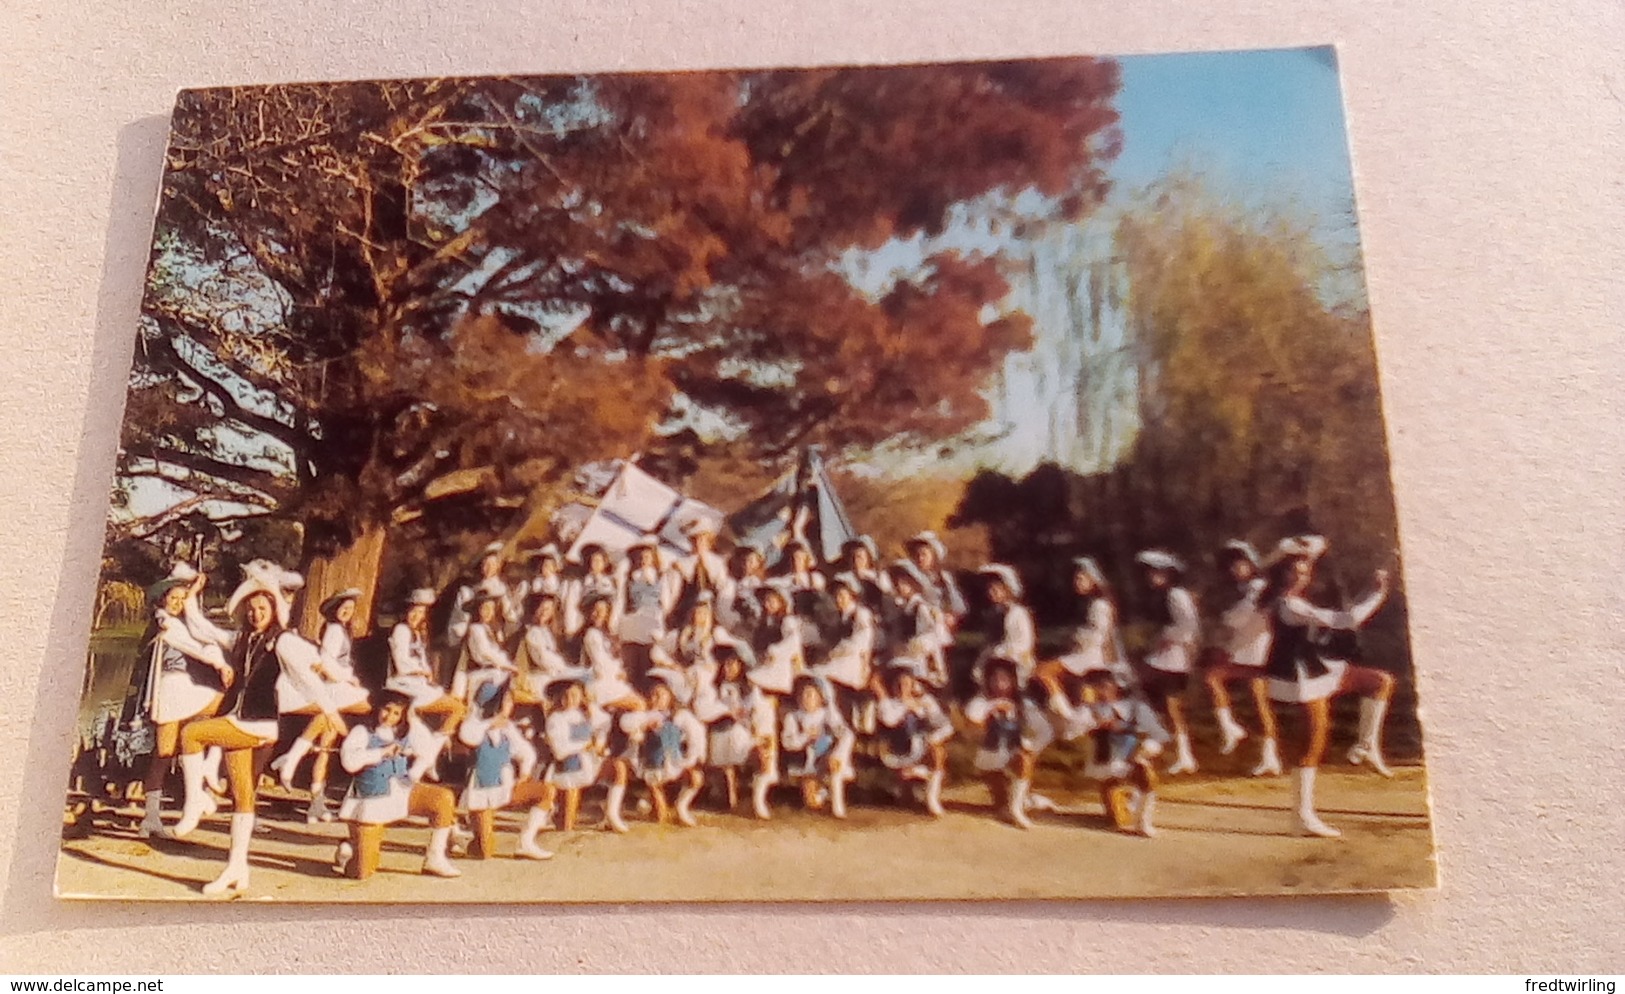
<point>384,791</point>
<point>818,746</point>
<point>668,743</point>
<point>499,776</point>
<point>1014,732</point>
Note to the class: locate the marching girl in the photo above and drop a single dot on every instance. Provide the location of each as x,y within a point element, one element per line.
<point>817,745</point>
<point>378,755</point>
<point>345,692</point>
<point>411,672</point>
<point>747,572</point>
<point>1299,674</point>
<point>540,656</point>
<point>262,651</point>
<point>645,600</point>
<point>186,679</point>
<point>596,579</point>
<point>798,576</point>
<point>930,556</point>
<point>914,732</point>
<point>483,659</point>
<point>847,664</point>
<point>489,582</point>
<point>668,746</point>
<point>1012,635</point>
<point>600,654</point>
<point>740,725</point>
<point>1014,731</point>
<point>1168,664</point>
<point>1240,655</point>
<point>1095,643</point>
<point>1124,737</point>
<point>578,738</point>
<point>776,646</point>
<point>701,571</point>
<point>499,774</point>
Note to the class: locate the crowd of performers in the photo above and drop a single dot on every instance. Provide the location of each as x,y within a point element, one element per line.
<point>665,675</point>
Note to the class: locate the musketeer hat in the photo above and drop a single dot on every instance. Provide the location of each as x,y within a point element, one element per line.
<point>262,576</point>
<point>423,596</point>
<point>906,570</point>
<point>1159,559</point>
<point>929,539</point>
<point>1005,575</point>
<point>332,603</point>
<point>1309,547</point>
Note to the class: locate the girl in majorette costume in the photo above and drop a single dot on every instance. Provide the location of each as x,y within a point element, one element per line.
<point>489,582</point>
<point>914,731</point>
<point>798,576</point>
<point>377,753</point>
<point>599,652</point>
<point>847,664</point>
<point>344,690</point>
<point>548,578</point>
<point>184,679</point>
<point>687,656</point>
<point>483,659</point>
<point>817,746</point>
<point>919,626</point>
<point>1243,649</point>
<point>1014,731</point>
<point>739,719</point>
<point>860,558</point>
<point>578,737</point>
<point>1095,645</point>
<point>1299,673</point>
<point>668,746</point>
<point>260,652</point>
<point>434,714</point>
<point>1167,668</point>
<point>502,760</point>
<point>540,653</point>
<point>702,571</point>
<point>1011,635</point>
<point>1124,736</point>
<point>776,647</point>
<point>645,601</point>
<point>930,557</point>
<point>747,572</point>
<point>596,580</point>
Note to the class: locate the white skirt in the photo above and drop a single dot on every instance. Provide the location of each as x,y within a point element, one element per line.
<point>179,698</point>
<point>391,807</point>
<point>606,690</point>
<point>730,747</point>
<point>476,798</point>
<point>1309,688</point>
<point>847,670</point>
<point>290,698</point>
<point>1084,662</point>
<point>421,689</point>
<point>776,675</point>
<point>1174,659</point>
<point>584,775</point>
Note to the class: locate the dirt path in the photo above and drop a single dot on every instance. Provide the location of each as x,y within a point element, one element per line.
<point>1221,836</point>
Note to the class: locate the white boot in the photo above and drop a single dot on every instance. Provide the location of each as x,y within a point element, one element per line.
<point>235,876</point>
<point>1018,803</point>
<point>318,810</point>
<point>1143,818</point>
<point>1231,730</point>
<point>342,856</point>
<point>933,795</point>
<point>612,809</point>
<point>685,798</point>
<point>459,838</point>
<point>1309,823</point>
<point>1269,762</point>
<point>196,803</point>
<point>287,764</point>
<point>1184,762</point>
<point>758,794</point>
<point>152,820</point>
<point>435,861</point>
<point>837,796</point>
<point>1369,747</point>
<point>211,770</point>
<point>527,848</point>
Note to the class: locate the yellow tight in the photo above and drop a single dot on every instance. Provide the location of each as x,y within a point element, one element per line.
<point>431,801</point>
<point>239,748</point>
<point>526,794</point>
<point>169,740</point>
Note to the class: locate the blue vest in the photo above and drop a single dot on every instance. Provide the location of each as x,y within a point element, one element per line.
<point>664,747</point>
<point>1003,734</point>
<point>580,731</point>
<point>642,596</point>
<point>375,780</point>
<point>489,761</point>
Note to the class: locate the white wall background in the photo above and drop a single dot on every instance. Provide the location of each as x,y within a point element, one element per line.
<point>1489,141</point>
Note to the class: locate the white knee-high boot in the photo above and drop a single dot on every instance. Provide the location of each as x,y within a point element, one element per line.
<point>1184,761</point>
<point>235,876</point>
<point>1368,749</point>
<point>1230,729</point>
<point>152,819</point>
<point>287,764</point>
<point>1269,761</point>
<point>211,770</point>
<point>612,809</point>
<point>1144,818</point>
<point>318,811</point>
<point>685,798</point>
<point>1309,823</point>
<point>435,861</point>
<point>837,796</point>
<point>933,795</point>
<point>534,823</point>
<point>196,803</point>
<point>759,787</point>
<point>1018,803</point>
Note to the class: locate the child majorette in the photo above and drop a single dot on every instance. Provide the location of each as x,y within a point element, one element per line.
<point>800,579</point>
<point>930,556</point>
<point>668,746</point>
<point>433,714</point>
<point>488,581</point>
<point>482,658</point>
<point>385,789</point>
<point>847,663</point>
<point>540,653</point>
<point>578,738</point>
<point>1094,644</point>
<point>913,731</point>
<point>548,578</point>
<point>919,626</point>
<point>702,571</point>
<point>262,652</point>
<point>596,580</point>
<point>183,678</point>
<point>747,572</point>
<point>1172,611</point>
<point>1011,635</point>
<point>687,656</point>
<point>344,690</point>
<point>1123,737</point>
<point>502,760</point>
<point>1243,648</point>
<point>739,719</point>
<point>778,659</point>
<point>600,652</point>
<point>817,745</point>
<point>646,600</point>
<point>1299,673</point>
<point>860,560</point>
<point>1015,730</point>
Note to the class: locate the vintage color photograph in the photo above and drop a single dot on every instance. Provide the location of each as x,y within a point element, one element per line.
<point>949,481</point>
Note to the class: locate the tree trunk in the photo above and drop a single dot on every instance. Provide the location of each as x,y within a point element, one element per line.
<point>354,565</point>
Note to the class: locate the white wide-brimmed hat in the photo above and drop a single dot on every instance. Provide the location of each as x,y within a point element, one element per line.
<point>1088,566</point>
<point>1241,550</point>
<point>1005,575</point>
<point>261,576</point>
<point>423,596</point>
<point>1309,547</point>
<point>180,575</point>
<point>491,549</point>
<point>548,551</point>
<point>701,525</point>
<point>846,581</point>
<point>1160,559</point>
<point>332,603</point>
<point>906,569</point>
<point>929,539</point>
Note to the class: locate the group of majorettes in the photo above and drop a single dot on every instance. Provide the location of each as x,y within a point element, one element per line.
<point>668,674</point>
